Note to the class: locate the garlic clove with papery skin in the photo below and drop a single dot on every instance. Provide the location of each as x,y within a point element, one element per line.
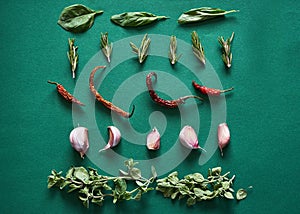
<point>79,140</point>
<point>114,138</point>
<point>223,136</point>
<point>188,138</point>
<point>153,140</point>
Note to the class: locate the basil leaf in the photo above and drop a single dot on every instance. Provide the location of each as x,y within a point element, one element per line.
<point>77,18</point>
<point>135,19</point>
<point>201,14</point>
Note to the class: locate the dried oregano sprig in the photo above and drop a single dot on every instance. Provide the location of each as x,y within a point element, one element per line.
<point>173,48</point>
<point>72,55</point>
<point>106,46</point>
<point>226,50</point>
<point>95,188</point>
<point>198,50</point>
<point>142,52</point>
<point>197,188</point>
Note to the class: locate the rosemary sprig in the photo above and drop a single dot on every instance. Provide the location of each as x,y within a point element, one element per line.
<point>72,55</point>
<point>94,188</point>
<point>197,47</point>
<point>106,46</point>
<point>226,50</point>
<point>142,52</point>
<point>173,48</point>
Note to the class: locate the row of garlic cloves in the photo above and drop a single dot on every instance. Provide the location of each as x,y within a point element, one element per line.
<point>187,136</point>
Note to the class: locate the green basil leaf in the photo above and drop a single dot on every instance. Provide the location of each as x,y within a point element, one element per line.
<point>77,18</point>
<point>135,19</point>
<point>202,14</point>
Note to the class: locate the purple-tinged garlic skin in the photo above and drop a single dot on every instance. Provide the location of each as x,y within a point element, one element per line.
<point>153,140</point>
<point>114,138</point>
<point>79,140</point>
<point>223,136</point>
<point>188,138</point>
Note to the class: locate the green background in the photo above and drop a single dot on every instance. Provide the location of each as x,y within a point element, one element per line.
<point>262,112</point>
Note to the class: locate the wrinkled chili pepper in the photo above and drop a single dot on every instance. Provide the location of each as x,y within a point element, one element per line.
<point>65,94</point>
<point>162,102</point>
<point>209,91</point>
<point>106,103</point>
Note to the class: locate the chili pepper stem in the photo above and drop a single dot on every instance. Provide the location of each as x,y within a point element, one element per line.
<point>132,111</point>
<point>225,90</point>
<point>51,82</point>
<point>191,96</point>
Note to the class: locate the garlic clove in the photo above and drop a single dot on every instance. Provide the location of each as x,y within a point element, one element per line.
<point>79,140</point>
<point>114,138</point>
<point>223,136</point>
<point>153,140</point>
<point>188,138</point>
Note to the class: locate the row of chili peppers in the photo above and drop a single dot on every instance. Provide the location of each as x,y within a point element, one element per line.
<point>155,97</point>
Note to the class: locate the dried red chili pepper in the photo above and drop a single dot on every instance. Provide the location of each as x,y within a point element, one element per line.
<point>65,94</point>
<point>209,91</point>
<point>106,103</point>
<point>162,102</point>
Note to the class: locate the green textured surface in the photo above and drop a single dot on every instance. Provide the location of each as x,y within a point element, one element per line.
<point>263,111</point>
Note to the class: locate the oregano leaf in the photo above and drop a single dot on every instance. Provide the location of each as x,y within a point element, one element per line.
<point>241,194</point>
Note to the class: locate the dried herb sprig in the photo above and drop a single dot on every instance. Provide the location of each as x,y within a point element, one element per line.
<point>173,48</point>
<point>226,50</point>
<point>202,14</point>
<point>95,188</point>
<point>142,52</point>
<point>72,55</point>
<point>198,50</point>
<point>106,46</point>
<point>197,188</point>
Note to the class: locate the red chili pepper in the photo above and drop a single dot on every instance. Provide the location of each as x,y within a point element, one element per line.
<point>162,102</point>
<point>209,91</point>
<point>106,103</point>
<point>65,94</point>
